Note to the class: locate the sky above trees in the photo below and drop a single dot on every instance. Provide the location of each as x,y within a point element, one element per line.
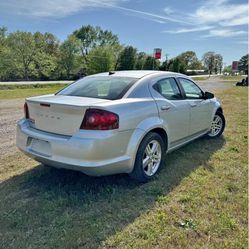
<point>174,26</point>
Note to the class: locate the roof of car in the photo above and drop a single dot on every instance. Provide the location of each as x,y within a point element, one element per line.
<point>133,73</point>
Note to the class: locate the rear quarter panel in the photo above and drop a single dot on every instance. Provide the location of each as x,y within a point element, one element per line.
<point>134,113</point>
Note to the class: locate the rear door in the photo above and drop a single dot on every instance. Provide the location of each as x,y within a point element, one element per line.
<point>173,109</point>
<point>200,108</point>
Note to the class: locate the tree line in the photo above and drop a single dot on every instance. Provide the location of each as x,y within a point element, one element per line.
<point>88,50</point>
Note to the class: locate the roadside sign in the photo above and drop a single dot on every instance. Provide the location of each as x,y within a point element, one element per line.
<point>235,66</point>
<point>157,53</point>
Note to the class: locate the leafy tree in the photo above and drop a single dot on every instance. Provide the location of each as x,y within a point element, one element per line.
<point>127,59</point>
<point>91,37</point>
<point>106,38</point>
<point>218,63</point>
<point>3,35</point>
<point>23,51</point>
<point>47,51</point>
<point>69,59</point>
<point>165,65</point>
<point>87,36</point>
<point>189,60</point>
<point>209,61</point>
<point>243,63</point>
<point>140,60</point>
<point>100,59</point>
<point>228,69</point>
<point>213,62</point>
<point>176,65</point>
<point>116,50</point>
<point>151,63</point>
<point>4,66</point>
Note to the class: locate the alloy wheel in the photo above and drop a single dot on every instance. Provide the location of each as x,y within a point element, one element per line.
<point>152,157</point>
<point>216,126</point>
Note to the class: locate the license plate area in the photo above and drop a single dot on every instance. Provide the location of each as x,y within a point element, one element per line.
<point>40,147</point>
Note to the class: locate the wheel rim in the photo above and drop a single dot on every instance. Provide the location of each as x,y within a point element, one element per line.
<point>216,126</point>
<point>152,157</point>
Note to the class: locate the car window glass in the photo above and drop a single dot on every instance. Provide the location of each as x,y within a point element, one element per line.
<point>192,91</point>
<point>108,87</point>
<point>168,89</point>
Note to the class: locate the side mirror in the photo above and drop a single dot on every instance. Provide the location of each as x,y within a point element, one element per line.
<point>208,95</point>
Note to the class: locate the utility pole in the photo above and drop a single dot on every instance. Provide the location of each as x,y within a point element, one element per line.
<point>166,57</point>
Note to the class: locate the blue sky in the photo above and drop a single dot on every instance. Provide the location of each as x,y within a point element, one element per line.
<point>173,25</point>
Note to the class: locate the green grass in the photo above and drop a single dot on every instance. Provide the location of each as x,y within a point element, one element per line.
<point>29,86</point>
<point>232,78</point>
<point>200,78</point>
<point>199,199</point>
<point>23,91</point>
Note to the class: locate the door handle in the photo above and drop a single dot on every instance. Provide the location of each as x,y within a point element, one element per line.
<point>193,104</point>
<point>165,107</point>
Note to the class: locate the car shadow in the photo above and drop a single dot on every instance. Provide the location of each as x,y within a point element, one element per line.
<point>67,209</point>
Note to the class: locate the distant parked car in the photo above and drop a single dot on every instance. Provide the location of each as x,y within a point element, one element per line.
<point>118,122</point>
<point>244,82</point>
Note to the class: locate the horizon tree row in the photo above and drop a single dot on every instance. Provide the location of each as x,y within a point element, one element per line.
<point>88,50</point>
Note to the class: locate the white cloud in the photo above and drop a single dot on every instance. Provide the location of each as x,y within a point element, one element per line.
<point>220,11</point>
<point>62,8</point>
<point>243,42</point>
<point>153,16</point>
<point>158,21</point>
<point>52,8</point>
<point>236,21</point>
<point>225,33</point>
<point>187,30</point>
<point>215,16</point>
<point>168,10</point>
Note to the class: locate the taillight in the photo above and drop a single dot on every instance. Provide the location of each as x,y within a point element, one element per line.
<point>97,119</point>
<point>26,111</point>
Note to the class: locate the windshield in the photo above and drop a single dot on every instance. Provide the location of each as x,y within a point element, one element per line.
<point>102,87</point>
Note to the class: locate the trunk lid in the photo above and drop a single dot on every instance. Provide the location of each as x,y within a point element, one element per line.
<point>59,114</point>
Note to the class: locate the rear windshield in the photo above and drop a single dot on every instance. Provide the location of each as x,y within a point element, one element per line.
<point>102,87</point>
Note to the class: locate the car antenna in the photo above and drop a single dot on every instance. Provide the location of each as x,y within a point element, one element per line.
<point>111,72</point>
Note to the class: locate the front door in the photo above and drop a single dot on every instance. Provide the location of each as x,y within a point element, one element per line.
<point>200,108</point>
<point>172,108</point>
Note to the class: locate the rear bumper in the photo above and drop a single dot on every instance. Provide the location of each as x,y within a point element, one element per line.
<point>92,152</point>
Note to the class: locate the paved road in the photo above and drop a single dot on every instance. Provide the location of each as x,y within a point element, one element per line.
<point>59,81</point>
<point>213,85</point>
<point>35,82</point>
<point>12,110</point>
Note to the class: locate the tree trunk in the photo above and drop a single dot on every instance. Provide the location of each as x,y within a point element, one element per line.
<point>26,74</point>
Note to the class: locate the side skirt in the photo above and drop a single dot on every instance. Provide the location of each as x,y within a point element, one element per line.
<point>179,143</point>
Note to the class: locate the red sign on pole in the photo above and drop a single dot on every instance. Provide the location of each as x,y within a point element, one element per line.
<point>157,53</point>
<point>235,66</point>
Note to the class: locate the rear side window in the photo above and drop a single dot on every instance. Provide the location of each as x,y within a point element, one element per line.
<point>168,88</point>
<point>102,87</point>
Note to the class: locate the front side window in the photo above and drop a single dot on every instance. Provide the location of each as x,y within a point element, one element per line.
<point>192,91</point>
<point>102,87</point>
<point>168,89</point>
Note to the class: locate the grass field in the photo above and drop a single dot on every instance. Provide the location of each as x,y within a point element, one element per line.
<point>23,91</point>
<point>235,79</point>
<point>232,78</point>
<point>199,78</point>
<point>199,199</point>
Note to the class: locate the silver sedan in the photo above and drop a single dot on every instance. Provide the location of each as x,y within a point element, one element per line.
<point>118,122</point>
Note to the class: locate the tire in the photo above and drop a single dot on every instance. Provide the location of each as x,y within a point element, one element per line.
<point>219,120</point>
<point>144,169</point>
